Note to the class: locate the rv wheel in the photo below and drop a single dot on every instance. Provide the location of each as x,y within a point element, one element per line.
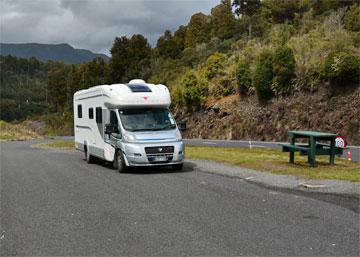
<point>119,162</point>
<point>88,156</point>
<point>177,167</point>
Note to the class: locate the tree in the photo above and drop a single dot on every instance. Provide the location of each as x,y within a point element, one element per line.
<point>263,76</point>
<point>140,54</point>
<point>58,85</point>
<point>249,8</point>
<point>119,58</point>
<point>321,6</point>
<point>282,10</point>
<point>167,45</point>
<point>283,63</point>
<point>243,76</point>
<point>222,20</point>
<point>198,30</point>
<point>130,58</point>
<point>94,73</point>
<point>179,36</point>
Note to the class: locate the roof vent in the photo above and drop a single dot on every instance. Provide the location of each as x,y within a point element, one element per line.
<point>137,81</point>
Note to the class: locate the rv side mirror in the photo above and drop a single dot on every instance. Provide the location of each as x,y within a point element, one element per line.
<point>111,128</point>
<point>182,125</point>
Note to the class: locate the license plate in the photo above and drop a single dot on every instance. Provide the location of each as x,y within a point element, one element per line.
<point>160,159</point>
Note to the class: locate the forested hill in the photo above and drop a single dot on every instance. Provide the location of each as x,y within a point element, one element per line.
<point>53,52</point>
<point>248,70</point>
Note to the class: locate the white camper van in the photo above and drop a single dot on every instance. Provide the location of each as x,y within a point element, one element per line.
<point>127,124</point>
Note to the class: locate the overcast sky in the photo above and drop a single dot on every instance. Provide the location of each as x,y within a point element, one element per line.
<point>93,24</point>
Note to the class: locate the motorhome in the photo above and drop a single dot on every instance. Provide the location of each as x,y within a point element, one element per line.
<point>128,125</point>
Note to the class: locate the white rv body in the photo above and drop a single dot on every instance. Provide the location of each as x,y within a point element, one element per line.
<point>147,146</point>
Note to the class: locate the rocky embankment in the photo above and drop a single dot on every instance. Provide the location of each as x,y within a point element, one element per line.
<point>243,118</point>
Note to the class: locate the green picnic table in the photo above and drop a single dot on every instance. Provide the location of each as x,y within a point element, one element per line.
<point>313,147</point>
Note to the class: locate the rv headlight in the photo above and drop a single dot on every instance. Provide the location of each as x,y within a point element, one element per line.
<point>178,136</point>
<point>129,138</point>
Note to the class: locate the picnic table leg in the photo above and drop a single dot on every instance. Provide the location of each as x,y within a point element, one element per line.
<point>332,151</point>
<point>311,156</point>
<point>292,154</point>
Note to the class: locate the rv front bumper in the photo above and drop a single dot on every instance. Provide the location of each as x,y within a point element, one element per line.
<point>154,154</point>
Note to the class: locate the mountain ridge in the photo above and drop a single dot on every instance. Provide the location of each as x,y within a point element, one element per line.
<point>54,52</point>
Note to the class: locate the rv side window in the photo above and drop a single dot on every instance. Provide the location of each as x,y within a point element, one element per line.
<point>113,118</point>
<point>79,111</point>
<point>98,115</point>
<point>91,113</point>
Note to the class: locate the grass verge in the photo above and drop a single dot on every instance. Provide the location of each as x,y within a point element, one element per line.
<point>262,159</point>
<point>277,162</point>
<point>60,144</point>
<point>15,132</point>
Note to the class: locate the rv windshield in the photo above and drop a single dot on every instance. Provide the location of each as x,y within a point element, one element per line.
<point>147,119</point>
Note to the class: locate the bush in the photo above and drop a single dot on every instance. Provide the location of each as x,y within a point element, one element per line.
<point>215,65</point>
<point>220,87</point>
<point>352,18</point>
<point>283,64</point>
<point>311,49</point>
<point>227,86</point>
<point>243,76</point>
<point>263,76</point>
<point>193,92</point>
<point>342,67</point>
<point>60,124</point>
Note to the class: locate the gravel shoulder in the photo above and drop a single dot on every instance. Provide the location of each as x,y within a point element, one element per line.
<point>280,181</point>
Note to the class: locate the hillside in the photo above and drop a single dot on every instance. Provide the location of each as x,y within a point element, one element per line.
<point>53,52</point>
<point>238,118</point>
<point>252,75</point>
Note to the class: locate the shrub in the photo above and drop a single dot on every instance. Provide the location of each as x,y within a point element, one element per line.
<point>283,64</point>
<point>220,87</point>
<point>214,65</point>
<point>193,92</point>
<point>352,18</point>
<point>263,76</point>
<point>342,67</point>
<point>311,49</point>
<point>227,86</point>
<point>243,76</point>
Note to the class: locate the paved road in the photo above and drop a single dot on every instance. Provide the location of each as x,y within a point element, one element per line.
<point>53,203</point>
<point>355,150</point>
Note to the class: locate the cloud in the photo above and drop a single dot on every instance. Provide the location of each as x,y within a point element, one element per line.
<point>92,24</point>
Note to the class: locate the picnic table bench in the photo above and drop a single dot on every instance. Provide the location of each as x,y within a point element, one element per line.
<point>313,147</point>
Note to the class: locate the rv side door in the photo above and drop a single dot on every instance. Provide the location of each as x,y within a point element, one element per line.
<point>114,131</point>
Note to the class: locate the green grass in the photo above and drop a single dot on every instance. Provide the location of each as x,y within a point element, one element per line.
<point>61,144</point>
<point>277,162</point>
<point>269,160</point>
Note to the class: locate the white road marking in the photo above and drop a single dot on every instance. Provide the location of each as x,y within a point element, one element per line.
<point>209,143</point>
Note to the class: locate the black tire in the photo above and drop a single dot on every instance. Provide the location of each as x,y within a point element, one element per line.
<point>177,167</point>
<point>89,158</point>
<point>119,162</point>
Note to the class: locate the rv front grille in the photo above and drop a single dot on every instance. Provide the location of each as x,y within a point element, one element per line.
<point>160,158</point>
<point>159,150</point>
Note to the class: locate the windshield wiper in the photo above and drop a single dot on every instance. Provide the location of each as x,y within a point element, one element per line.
<point>165,127</point>
<point>140,130</point>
